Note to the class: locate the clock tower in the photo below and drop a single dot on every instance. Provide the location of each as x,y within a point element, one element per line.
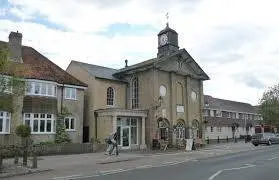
<point>167,41</point>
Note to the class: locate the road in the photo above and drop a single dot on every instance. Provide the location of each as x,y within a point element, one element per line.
<point>252,165</point>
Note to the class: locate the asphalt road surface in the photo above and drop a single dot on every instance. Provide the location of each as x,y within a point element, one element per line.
<point>253,165</point>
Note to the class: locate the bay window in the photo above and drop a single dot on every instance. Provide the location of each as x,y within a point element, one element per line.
<point>40,123</point>
<point>41,89</point>
<point>5,120</point>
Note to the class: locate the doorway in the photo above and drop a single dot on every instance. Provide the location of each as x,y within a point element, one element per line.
<point>125,140</point>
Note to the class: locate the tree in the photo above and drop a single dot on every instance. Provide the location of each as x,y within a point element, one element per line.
<point>269,105</point>
<point>11,84</point>
<point>61,136</point>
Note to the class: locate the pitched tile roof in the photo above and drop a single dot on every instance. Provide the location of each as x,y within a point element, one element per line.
<point>98,71</point>
<point>37,66</point>
<point>222,121</point>
<point>227,105</point>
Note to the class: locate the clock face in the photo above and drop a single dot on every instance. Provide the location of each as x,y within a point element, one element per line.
<point>163,39</point>
<point>163,90</point>
<point>194,95</point>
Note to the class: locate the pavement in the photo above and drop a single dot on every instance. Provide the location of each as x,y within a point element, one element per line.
<point>249,165</point>
<point>87,165</point>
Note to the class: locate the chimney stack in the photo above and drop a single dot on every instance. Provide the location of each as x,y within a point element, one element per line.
<point>15,47</point>
<point>126,63</point>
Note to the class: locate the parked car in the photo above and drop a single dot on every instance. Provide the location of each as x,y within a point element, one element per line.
<point>265,138</point>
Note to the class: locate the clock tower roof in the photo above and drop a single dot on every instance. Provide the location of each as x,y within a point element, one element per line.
<point>167,41</point>
<point>167,29</point>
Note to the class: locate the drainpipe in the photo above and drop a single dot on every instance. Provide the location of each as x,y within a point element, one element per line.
<point>62,94</point>
<point>96,123</point>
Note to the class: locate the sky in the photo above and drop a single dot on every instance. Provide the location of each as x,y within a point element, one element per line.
<point>236,42</point>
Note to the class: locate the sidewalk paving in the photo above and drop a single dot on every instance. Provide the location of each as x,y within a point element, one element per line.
<point>98,160</point>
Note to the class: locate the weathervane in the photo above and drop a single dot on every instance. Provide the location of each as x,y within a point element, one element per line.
<point>167,17</point>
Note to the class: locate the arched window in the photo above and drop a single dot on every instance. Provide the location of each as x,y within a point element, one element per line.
<point>179,94</point>
<point>163,125</point>
<point>110,96</point>
<point>196,129</point>
<point>180,130</point>
<point>135,93</point>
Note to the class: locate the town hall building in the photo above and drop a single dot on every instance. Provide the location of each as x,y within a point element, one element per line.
<point>160,99</point>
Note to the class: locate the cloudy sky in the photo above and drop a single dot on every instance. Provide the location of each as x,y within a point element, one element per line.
<point>236,42</point>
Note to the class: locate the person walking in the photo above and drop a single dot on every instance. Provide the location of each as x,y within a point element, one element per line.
<point>114,144</point>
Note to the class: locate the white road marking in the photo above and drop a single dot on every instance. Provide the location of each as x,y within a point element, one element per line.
<point>214,175</point>
<point>67,177</point>
<point>82,177</point>
<point>170,162</point>
<point>242,167</point>
<point>231,169</point>
<point>144,166</point>
<point>272,158</point>
<point>194,160</point>
<point>111,171</point>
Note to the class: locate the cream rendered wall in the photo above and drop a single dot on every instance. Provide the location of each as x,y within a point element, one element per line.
<point>96,96</point>
<point>226,131</point>
<point>100,92</point>
<point>82,75</point>
<point>75,107</point>
<point>104,127</point>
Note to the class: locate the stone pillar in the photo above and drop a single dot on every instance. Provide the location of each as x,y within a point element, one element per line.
<point>114,123</point>
<point>143,145</point>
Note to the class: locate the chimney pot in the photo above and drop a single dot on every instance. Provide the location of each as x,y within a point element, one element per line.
<point>15,47</point>
<point>126,63</point>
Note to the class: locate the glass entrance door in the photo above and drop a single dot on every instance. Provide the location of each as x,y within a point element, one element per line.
<point>125,137</point>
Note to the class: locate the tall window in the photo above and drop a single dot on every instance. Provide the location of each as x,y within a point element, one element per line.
<point>40,123</point>
<point>180,130</point>
<point>71,93</point>
<point>5,118</point>
<point>69,123</point>
<point>135,93</point>
<point>179,94</point>
<point>110,96</point>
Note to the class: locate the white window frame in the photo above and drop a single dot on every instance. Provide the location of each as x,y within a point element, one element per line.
<point>70,119</point>
<point>6,116</point>
<point>73,93</point>
<point>32,117</point>
<point>219,129</point>
<point>52,87</point>
<point>218,113</point>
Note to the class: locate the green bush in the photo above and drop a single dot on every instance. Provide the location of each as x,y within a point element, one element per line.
<point>23,130</point>
<point>46,143</point>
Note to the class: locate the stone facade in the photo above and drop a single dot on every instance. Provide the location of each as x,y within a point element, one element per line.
<point>168,90</point>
